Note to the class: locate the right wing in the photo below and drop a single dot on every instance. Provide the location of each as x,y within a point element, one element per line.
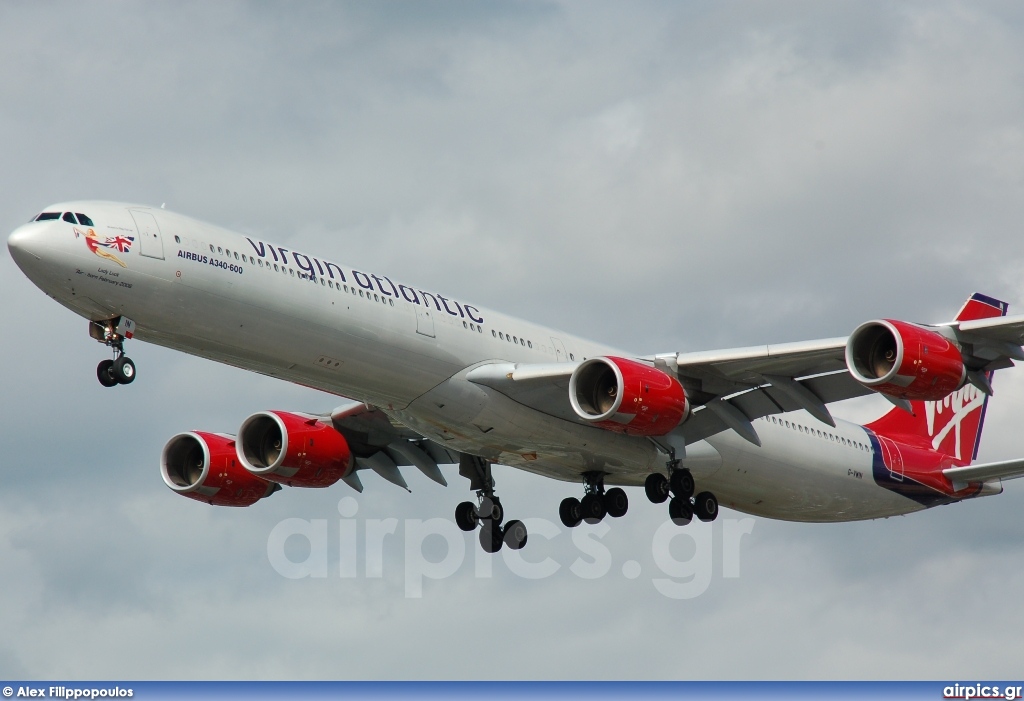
<point>730,388</point>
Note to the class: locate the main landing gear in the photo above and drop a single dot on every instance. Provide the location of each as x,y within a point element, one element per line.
<point>596,503</point>
<point>120,370</point>
<point>683,505</point>
<point>487,513</point>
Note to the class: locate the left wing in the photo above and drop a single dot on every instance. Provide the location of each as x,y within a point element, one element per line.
<point>381,445</point>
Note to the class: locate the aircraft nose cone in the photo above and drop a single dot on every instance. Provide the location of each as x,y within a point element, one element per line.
<point>19,242</point>
<point>27,246</point>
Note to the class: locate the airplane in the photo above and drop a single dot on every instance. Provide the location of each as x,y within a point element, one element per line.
<point>430,380</point>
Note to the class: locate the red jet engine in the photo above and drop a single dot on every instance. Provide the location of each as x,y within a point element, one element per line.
<point>626,396</point>
<point>204,467</point>
<point>296,450</point>
<point>905,360</point>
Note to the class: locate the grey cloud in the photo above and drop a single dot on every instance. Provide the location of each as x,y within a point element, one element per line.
<point>658,176</point>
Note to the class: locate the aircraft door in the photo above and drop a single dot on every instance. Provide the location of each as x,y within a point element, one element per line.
<point>151,244</point>
<point>560,354</point>
<point>893,457</point>
<point>424,321</point>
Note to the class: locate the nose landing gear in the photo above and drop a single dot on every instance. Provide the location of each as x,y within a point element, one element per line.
<point>120,370</point>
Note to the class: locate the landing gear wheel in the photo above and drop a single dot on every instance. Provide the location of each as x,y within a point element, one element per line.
<point>514,534</point>
<point>656,487</point>
<point>123,370</point>
<point>104,374</point>
<point>705,506</point>
<point>490,537</point>
<point>465,516</point>
<point>490,510</point>
<point>571,512</point>
<point>680,511</point>
<point>616,503</point>
<point>593,508</point>
<point>681,483</point>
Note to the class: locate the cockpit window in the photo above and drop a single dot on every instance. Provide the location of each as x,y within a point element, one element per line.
<point>69,217</point>
<point>46,216</point>
<point>84,220</point>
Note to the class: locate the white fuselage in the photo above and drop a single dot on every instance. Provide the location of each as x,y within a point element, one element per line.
<point>216,294</point>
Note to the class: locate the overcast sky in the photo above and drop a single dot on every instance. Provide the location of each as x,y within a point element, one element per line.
<point>659,176</point>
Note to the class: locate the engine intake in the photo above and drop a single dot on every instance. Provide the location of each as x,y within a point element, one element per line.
<point>204,467</point>
<point>625,396</point>
<point>905,360</point>
<point>299,451</point>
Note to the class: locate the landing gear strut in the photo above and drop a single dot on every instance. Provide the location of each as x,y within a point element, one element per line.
<point>596,502</point>
<point>120,370</point>
<point>487,513</point>
<point>679,485</point>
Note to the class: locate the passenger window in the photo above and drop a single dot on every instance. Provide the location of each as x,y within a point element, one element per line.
<point>391,302</point>
<point>465,325</point>
<point>220,250</point>
<point>276,268</point>
<point>236,255</point>
<point>177,239</point>
<point>84,220</point>
<point>291,271</point>
<point>47,216</point>
<point>530,344</point>
<point>212,249</point>
<point>69,217</point>
<point>227,253</point>
<point>360,293</point>
<point>501,335</point>
<point>493,333</point>
<point>572,357</point>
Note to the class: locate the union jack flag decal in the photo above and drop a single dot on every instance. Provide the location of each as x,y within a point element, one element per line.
<point>121,243</point>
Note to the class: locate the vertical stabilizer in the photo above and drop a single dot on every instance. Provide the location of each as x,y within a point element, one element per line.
<point>952,425</point>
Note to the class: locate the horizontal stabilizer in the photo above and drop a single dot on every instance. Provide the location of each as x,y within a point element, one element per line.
<point>1007,469</point>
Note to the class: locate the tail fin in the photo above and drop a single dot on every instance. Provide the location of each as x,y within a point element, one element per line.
<point>952,425</point>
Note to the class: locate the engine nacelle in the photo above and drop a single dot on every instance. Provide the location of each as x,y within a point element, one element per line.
<point>905,360</point>
<point>299,451</point>
<point>204,467</point>
<point>625,396</point>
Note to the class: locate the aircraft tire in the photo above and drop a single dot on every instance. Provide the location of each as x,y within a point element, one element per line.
<point>705,506</point>
<point>681,483</point>
<point>616,503</point>
<point>123,370</point>
<point>593,508</point>
<point>465,516</point>
<point>570,511</point>
<point>490,537</point>
<point>680,511</point>
<point>104,374</point>
<point>656,487</point>
<point>514,534</point>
